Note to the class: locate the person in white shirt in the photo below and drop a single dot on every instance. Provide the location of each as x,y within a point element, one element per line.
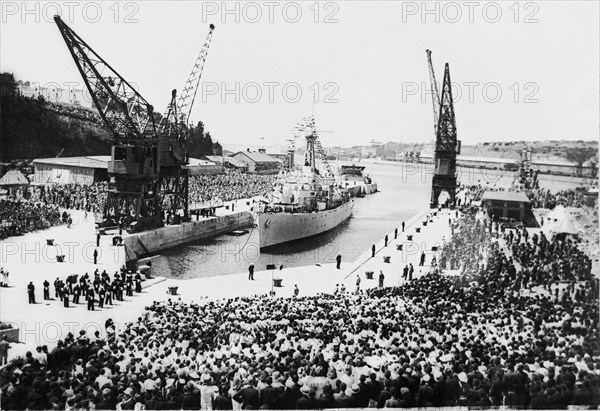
<point>208,392</point>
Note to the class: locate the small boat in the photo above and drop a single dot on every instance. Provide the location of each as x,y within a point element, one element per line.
<point>238,233</point>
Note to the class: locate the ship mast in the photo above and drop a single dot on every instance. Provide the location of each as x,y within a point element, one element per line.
<point>309,157</point>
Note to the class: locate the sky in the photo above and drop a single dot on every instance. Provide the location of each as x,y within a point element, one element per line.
<point>520,70</point>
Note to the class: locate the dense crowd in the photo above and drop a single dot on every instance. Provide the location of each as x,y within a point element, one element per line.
<point>540,198</point>
<point>477,339</point>
<point>467,251</point>
<point>88,197</point>
<point>474,192</point>
<point>18,217</point>
<point>569,198</point>
<point>232,185</point>
<point>213,188</point>
<point>38,207</point>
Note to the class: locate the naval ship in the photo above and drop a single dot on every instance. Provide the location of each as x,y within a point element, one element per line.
<point>309,203</point>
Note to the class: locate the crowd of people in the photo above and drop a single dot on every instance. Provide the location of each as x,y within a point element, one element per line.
<point>38,207</point>
<point>88,197</point>
<point>212,188</point>
<point>96,291</point>
<point>568,198</point>
<point>232,185</point>
<point>467,251</point>
<point>477,339</point>
<point>21,216</point>
<point>540,198</point>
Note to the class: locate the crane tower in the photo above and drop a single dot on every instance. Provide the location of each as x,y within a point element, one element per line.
<point>147,158</point>
<point>447,147</point>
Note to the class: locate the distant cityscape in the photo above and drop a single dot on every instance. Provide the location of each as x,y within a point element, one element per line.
<point>76,102</point>
<point>54,93</point>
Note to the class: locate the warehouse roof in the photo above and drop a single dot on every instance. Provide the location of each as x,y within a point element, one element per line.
<point>200,162</point>
<point>517,196</point>
<point>230,160</point>
<point>258,157</point>
<point>85,161</point>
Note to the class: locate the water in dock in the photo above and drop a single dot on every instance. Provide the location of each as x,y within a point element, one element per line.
<point>402,194</point>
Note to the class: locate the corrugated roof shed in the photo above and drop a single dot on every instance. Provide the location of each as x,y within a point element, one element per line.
<point>258,157</point>
<point>518,196</point>
<point>86,161</point>
<point>224,159</point>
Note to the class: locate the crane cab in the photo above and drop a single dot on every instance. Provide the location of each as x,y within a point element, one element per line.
<point>133,160</point>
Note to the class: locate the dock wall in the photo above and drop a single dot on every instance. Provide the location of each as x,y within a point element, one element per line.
<point>153,241</point>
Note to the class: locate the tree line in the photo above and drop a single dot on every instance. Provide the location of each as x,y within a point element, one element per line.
<point>32,128</point>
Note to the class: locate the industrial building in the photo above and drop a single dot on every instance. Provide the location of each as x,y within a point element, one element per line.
<point>228,162</point>
<point>508,204</point>
<point>257,162</point>
<point>92,169</point>
<point>198,166</point>
<point>71,170</point>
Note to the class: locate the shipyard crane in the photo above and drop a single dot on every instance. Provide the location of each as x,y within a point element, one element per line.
<point>146,165</point>
<point>435,95</point>
<point>177,114</point>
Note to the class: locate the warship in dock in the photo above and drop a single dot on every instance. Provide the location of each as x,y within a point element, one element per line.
<point>309,203</point>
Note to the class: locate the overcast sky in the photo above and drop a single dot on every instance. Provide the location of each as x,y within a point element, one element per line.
<point>532,68</point>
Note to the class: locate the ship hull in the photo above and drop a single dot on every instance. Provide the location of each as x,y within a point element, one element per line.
<point>278,228</point>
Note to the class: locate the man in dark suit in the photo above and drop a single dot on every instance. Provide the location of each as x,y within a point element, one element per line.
<point>76,293</point>
<point>341,399</point>
<point>338,260</point>
<point>91,299</point>
<point>248,396</point>
<point>31,292</point>
<point>291,395</point>
<point>361,398</point>
<point>305,402</point>
<point>95,256</point>
<point>268,395</point>
<point>46,290</point>
<point>222,401</point>
<point>251,272</point>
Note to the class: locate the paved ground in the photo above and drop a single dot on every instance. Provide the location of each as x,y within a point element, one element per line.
<point>28,258</point>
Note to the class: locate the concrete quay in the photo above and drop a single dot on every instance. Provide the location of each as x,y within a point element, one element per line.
<point>29,259</point>
<point>229,216</point>
<point>153,241</point>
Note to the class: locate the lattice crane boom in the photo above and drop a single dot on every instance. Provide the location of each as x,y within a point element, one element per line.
<point>185,101</point>
<point>435,98</point>
<point>122,108</point>
<point>188,94</point>
<point>146,165</point>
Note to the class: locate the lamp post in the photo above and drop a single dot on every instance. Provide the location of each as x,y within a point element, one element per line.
<point>271,267</point>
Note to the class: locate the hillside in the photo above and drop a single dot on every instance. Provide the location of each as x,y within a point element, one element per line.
<point>573,151</point>
<point>34,128</point>
<point>551,151</point>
